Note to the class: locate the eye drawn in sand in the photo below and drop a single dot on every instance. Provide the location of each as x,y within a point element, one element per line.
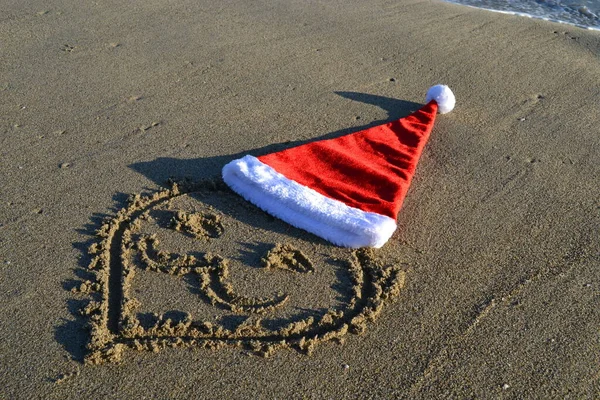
<point>287,257</point>
<point>176,239</point>
<point>198,225</point>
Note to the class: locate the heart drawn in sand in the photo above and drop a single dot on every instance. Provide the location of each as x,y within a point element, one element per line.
<point>195,265</point>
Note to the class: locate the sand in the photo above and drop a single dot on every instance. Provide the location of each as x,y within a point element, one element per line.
<point>490,287</point>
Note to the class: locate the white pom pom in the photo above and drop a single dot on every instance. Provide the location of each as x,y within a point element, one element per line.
<point>443,96</point>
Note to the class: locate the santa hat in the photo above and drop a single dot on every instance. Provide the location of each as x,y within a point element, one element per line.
<point>347,190</point>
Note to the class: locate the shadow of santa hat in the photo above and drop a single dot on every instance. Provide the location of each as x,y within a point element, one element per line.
<point>347,190</point>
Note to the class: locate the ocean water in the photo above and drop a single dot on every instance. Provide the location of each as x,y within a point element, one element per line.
<point>582,13</point>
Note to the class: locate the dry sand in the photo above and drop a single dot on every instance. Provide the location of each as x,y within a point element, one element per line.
<point>490,288</point>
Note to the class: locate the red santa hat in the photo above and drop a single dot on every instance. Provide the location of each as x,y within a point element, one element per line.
<point>347,190</point>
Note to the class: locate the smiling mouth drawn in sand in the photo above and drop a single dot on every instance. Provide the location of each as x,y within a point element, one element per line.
<point>288,296</point>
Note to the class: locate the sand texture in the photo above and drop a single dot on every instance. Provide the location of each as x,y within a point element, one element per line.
<point>129,270</point>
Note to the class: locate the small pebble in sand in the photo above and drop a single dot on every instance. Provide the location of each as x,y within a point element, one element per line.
<point>64,165</point>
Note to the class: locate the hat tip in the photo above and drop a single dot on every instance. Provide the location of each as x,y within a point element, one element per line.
<point>443,96</point>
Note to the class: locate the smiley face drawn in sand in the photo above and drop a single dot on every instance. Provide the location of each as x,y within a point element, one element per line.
<point>195,265</point>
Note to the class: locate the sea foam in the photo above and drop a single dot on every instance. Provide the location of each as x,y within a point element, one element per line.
<point>583,13</point>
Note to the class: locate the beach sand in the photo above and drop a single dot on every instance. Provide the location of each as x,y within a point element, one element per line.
<point>494,289</point>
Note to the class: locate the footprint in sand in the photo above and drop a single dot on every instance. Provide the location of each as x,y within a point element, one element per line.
<point>521,112</point>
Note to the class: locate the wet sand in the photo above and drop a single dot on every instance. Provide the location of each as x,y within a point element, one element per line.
<point>488,289</point>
